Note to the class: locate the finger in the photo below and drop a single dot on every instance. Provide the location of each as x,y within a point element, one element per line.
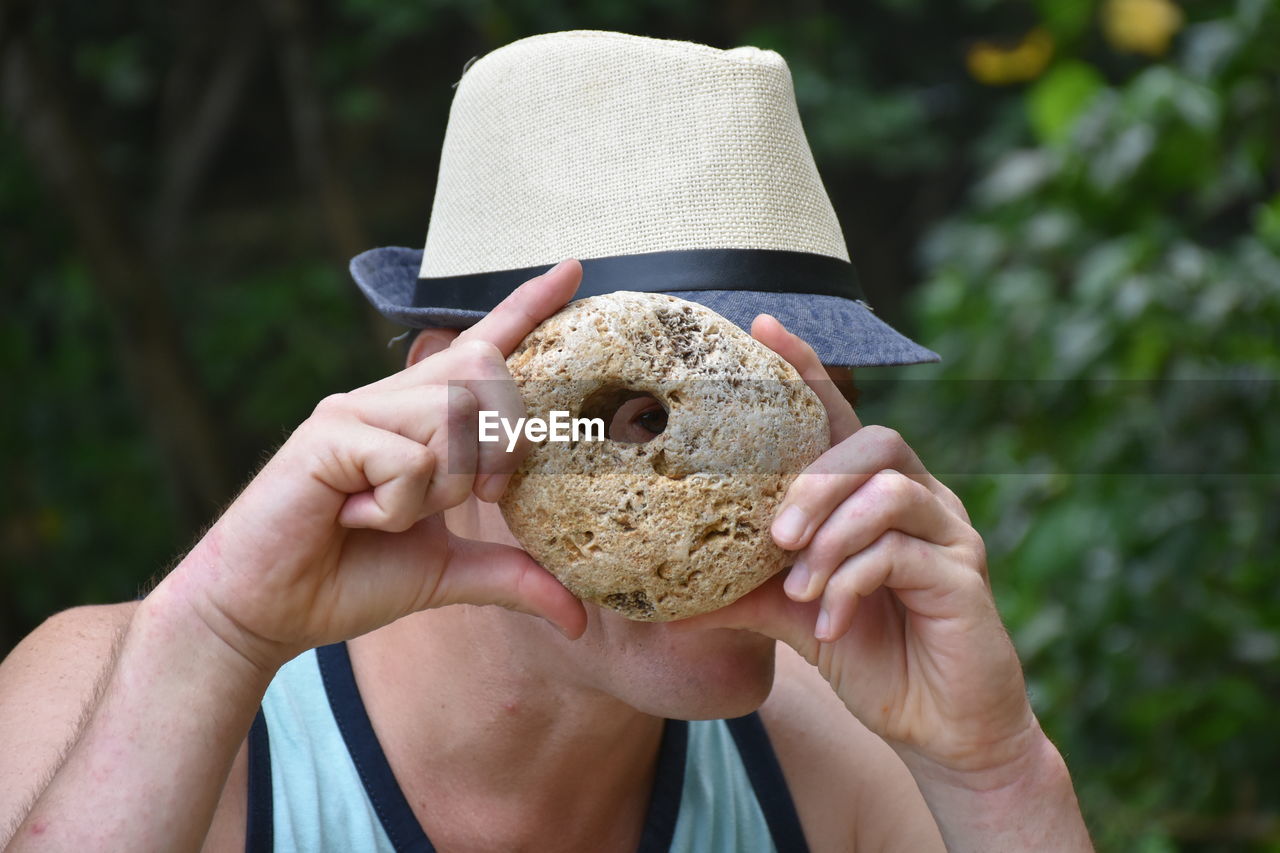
<point>398,472</point>
<point>836,474</point>
<point>888,501</point>
<point>528,305</point>
<point>769,331</point>
<point>416,413</point>
<point>483,372</point>
<point>491,573</point>
<point>443,418</point>
<point>925,577</point>
<point>406,404</point>
<point>393,482</point>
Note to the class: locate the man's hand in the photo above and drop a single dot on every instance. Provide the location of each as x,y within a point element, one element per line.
<point>338,534</point>
<point>889,599</point>
<point>341,531</point>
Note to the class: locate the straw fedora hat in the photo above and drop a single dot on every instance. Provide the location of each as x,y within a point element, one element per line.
<point>661,165</point>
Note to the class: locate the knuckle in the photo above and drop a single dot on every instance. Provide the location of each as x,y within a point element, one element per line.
<point>333,404</point>
<point>481,351</point>
<point>890,447</point>
<point>461,401</point>
<point>420,462</point>
<point>885,438</point>
<point>893,486</point>
<point>956,505</point>
<point>977,548</point>
<point>892,541</point>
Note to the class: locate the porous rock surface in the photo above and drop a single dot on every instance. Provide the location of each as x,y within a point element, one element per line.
<point>678,525</point>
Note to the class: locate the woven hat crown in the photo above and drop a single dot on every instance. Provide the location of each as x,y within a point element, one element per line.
<point>663,166</point>
<point>595,144</point>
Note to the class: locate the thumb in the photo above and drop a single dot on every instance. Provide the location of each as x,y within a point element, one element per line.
<point>766,610</point>
<point>491,573</point>
<point>769,331</point>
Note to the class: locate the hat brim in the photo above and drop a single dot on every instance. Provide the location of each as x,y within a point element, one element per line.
<point>843,332</point>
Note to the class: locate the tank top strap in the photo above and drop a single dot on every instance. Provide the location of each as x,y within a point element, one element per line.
<point>258,837</point>
<point>319,779</point>
<point>770,786</point>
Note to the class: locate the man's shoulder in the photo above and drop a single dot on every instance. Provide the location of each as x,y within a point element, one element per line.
<point>65,655</point>
<point>46,682</point>
<point>850,788</point>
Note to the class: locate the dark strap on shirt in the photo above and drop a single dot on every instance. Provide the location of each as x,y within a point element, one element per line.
<point>406,833</point>
<point>768,782</point>
<point>371,763</point>
<point>260,827</point>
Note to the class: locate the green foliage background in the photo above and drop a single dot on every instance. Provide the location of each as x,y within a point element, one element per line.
<point>1094,250</point>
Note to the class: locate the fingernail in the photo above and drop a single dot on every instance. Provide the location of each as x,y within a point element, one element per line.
<point>556,267</point>
<point>824,625</point>
<point>790,526</point>
<point>797,583</point>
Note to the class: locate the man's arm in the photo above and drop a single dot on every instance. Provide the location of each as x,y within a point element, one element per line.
<point>156,749</point>
<point>1028,805</point>
<point>340,533</point>
<point>849,784</point>
<point>49,686</point>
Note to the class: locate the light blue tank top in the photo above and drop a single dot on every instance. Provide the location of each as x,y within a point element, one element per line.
<point>319,781</point>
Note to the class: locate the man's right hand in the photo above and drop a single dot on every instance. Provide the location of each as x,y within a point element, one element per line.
<point>341,532</point>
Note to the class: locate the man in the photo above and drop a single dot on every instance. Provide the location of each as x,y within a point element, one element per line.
<point>893,709</point>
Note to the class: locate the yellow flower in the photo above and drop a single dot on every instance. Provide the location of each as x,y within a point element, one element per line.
<point>994,65</point>
<point>1141,26</point>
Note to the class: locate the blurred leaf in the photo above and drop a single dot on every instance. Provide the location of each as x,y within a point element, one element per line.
<point>1058,98</point>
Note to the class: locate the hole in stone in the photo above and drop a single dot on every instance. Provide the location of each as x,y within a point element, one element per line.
<point>630,416</point>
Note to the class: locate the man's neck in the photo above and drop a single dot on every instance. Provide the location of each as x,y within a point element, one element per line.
<point>493,745</point>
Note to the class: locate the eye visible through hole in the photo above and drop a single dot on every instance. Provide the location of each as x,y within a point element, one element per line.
<point>638,420</point>
<point>630,415</point>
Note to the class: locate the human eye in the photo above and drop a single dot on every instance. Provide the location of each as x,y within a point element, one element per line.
<point>652,418</point>
<point>638,420</point>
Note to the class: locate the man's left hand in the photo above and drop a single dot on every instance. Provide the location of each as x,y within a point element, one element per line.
<point>889,595</point>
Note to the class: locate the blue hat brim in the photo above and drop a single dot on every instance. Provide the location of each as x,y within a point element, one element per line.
<point>842,331</point>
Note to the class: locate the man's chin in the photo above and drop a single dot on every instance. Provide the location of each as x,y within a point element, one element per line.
<point>707,675</point>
